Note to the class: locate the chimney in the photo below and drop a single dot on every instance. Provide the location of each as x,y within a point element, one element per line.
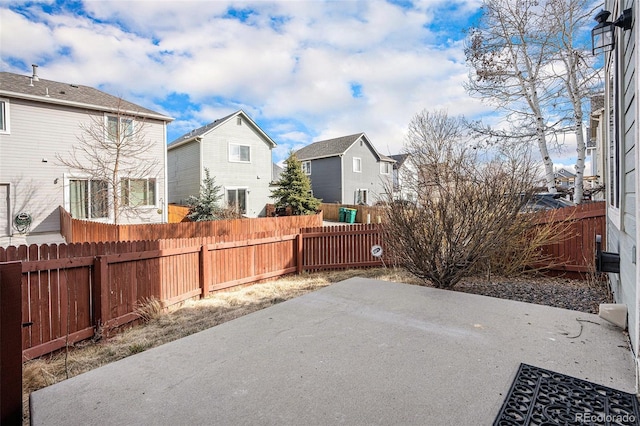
<point>35,72</point>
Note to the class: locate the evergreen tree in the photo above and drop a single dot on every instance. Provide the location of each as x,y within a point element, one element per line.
<point>294,189</point>
<point>205,205</point>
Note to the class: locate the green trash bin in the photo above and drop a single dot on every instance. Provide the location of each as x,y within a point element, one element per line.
<point>342,214</point>
<point>351,215</point>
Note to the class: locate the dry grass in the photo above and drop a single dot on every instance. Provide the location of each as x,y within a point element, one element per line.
<point>161,326</point>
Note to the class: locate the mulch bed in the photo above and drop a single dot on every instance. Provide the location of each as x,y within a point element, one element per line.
<point>577,295</point>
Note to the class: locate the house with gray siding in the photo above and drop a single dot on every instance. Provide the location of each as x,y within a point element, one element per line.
<point>621,119</point>
<point>41,121</point>
<point>347,170</point>
<point>237,153</point>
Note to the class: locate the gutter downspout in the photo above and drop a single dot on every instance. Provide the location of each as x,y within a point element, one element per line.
<point>165,202</point>
<point>342,179</point>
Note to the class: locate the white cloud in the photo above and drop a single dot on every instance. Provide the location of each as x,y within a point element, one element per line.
<point>283,61</point>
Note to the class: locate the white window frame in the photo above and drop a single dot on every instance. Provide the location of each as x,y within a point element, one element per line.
<point>357,165</point>
<point>357,196</point>
<point>67,178</point>
<point>615,135</point>
<point>130,129</point>
<point>306,167</point>
<point>384,165</point>
<point>6,116</point>
<point>233,159</point>
<point>236,189</point>
<point>148,182</point>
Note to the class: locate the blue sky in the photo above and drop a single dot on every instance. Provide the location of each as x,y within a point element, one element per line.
<point>303,70</point>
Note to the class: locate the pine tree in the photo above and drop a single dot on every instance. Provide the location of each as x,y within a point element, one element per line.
<point>294,189</point>
<point>205,205</point>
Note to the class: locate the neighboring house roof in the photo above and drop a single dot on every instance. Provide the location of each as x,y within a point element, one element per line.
<point>564,173</point>
<point>202,131</point>
<point>399,159</point>
<point>335,147</point>
<point>53,92</point>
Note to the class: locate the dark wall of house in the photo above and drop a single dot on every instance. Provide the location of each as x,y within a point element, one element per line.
<point>325,179</point>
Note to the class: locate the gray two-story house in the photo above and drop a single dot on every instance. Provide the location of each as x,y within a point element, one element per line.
<point>237,153</point>
<point>42,122</point>
<point>347,170</point>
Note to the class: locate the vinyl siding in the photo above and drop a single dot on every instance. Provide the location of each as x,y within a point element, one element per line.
<point>183,170</point>
<point>255,175</point>
<point>623,240</point>
<point>325,179</point>
<point>39,132</point>
<point>370,178</point>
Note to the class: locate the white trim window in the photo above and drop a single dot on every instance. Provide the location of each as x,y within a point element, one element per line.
<point>138,192</point>
<point>385,168</point>
<point>119,128</point>
<point>237,199</point>
<point>361,196</point>
<point>4,116</point>
<point>88,198</point>
<point>306,167</point>
<point>239,153</point>
<point>357,165</point>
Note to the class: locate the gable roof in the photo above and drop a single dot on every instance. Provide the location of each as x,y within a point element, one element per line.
<point>400,159</point>
<point>564,173</point>
<point>74,95</point>
<point>201,131</point>
<point>335,147</point>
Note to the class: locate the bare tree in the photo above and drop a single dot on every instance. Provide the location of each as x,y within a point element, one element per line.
<point>468,204</point>
<point>113,153</point>
<point>567,19</point>
<point>525,60</point>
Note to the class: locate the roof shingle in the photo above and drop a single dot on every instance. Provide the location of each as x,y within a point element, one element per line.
<point>49,91</point>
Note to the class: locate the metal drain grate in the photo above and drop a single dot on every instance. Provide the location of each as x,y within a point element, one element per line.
<point>542,397</point>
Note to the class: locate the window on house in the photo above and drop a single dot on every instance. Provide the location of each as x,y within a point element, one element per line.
<point>385,168</point>
<point>4,116</point>
<point>361,196</point>
<point>357,165</point>
<point>306,167</point>
<point>119,128</point>
<point>239,153</point>
<point>88,198</point>
<point>237,200</point>
<point>239,121</point>
<point>138,192</point>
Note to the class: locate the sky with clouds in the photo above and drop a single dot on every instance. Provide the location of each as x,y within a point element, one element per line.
<point>303,70</point>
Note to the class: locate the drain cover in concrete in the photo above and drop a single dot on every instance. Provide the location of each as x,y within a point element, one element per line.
<point>542,397</point>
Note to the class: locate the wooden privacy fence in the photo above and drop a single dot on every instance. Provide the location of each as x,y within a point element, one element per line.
<point>177,214</point>
<point>80,231</point>
<point>575,253</point>
<point>70,292</point>
<point>373,214</point>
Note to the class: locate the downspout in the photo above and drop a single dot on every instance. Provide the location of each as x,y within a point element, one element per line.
<point>165,200</point>
<point>342,179</point>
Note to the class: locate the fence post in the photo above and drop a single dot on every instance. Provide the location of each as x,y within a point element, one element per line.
<point>11,343</point>
<point>100,292</point>
<point>299,265</point>
<point>205,278</point>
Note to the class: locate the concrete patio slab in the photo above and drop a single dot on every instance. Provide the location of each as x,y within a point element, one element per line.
<point>357,352</point>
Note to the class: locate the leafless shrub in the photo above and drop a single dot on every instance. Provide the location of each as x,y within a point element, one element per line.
<point>468,202</point>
